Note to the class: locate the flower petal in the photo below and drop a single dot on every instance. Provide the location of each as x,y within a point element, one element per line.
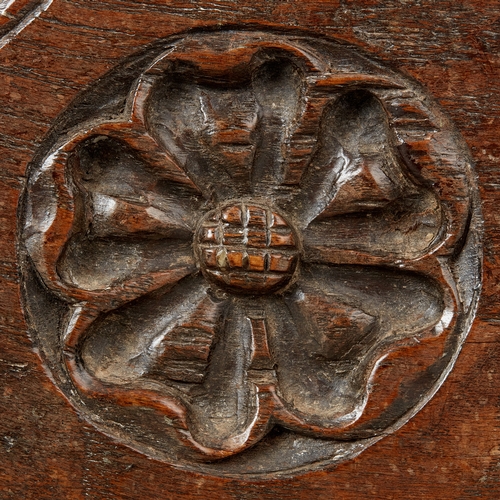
<point>356,167</point>
<point>146,356</point>
<point>149,338</point>
<point>407,229</point>
<point>99,265</point>
<point>97,213</point>
<point>123,196</point>
<point>209,352</point>
<point>226,406</point>
<point>336,326</point>
<point>357,195</point>
<point>208,130</point>
<point>278,87</point>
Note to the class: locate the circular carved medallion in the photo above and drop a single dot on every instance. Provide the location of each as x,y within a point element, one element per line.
<point>250,253</point>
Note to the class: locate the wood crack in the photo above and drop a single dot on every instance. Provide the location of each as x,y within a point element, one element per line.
<point>24,21</point>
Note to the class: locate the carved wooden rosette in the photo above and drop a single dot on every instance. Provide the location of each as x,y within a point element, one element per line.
<point>223,240</point>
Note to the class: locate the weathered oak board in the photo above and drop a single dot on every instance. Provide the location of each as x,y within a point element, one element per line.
<point>51,51</point>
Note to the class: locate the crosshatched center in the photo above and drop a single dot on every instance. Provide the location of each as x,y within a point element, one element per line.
<point>247,248</point>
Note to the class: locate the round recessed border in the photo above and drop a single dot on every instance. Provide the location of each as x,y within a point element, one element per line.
<point>109,94</point>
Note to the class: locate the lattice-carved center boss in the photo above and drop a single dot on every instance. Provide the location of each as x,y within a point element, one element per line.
<point>250,253</point>
<point>247,248</point>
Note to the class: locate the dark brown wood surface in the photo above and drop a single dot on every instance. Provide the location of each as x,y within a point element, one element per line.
<point>50,51</point>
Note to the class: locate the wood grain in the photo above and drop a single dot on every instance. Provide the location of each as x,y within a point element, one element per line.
<point>449,450</point>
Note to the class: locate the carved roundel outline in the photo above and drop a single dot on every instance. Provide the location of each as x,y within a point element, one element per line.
<point>250,253</point>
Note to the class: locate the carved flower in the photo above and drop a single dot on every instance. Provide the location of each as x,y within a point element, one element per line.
<point>231,247</point>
